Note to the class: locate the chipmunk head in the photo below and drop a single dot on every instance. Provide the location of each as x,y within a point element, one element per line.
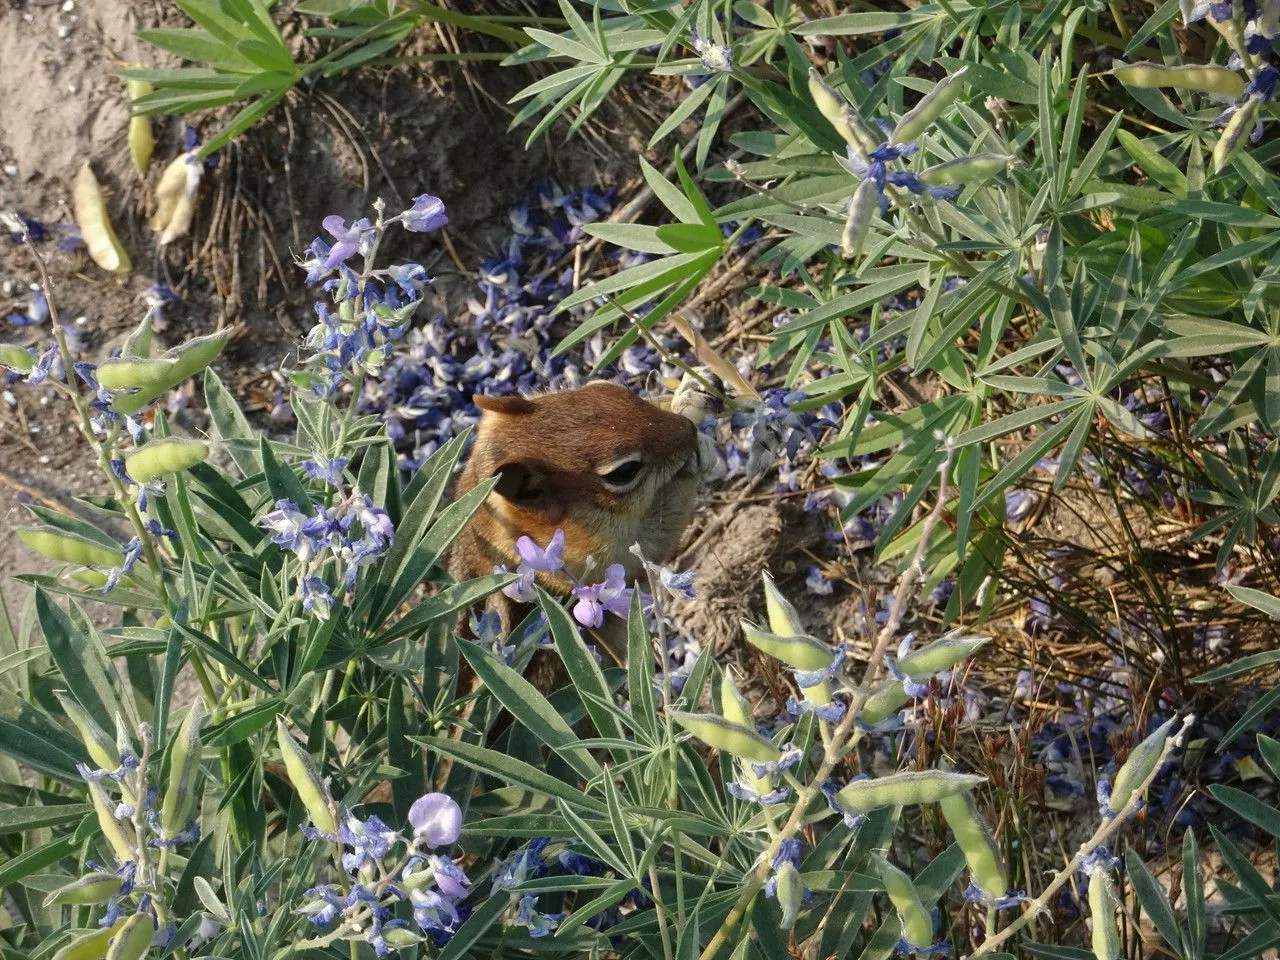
<point>600,463</point>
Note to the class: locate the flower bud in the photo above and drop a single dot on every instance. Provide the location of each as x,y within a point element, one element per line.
<point>1142,761</point>
<point>99,237</point>
<point>69,547</point>
<point>965,170</point>
<point>1102,910</point>
<point>801,652</point>
<point>931,106</point>
<point>858,222</point>
<point>120,835</point>
<point>305,779</point>
<point>790,893</point>
<point>940,655</point>
<point>90,944</point>
<point>905,789</point>
<point>16,358</point>
<point>141,141</point>
<point>1234,133</point>
<point>979,849</point>
<point>184,766</point>
<point>134,938</point>
<point>917,922</point>
<point>160,457</point>
<point>732,738</point>
<point>102,750</point>
<point>1207,78</point>
<point>91,889</point>
<point>829,105</point>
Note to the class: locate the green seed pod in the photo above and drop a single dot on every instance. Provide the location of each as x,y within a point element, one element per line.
<point>940,655</point>
<point>197,353</point>
<point>883,701</point>
<point>976,843</point>
<point>179,363</point>
<point>141,141</point>
<point>102,750</point>
<point>1235,132</point>
<point>69,547</point>
<point>829,105</point>
<point>399,937</point>
<point>1138,767</point>
<point>801,652</point>
<point>135,373</point>
<point>184,764</point>
<point>306,780</point>
<point>1102,910</point>
<point>16,358</point>
<point>95,225</point>
<point>790,892</point>
<point>931,106</point>
<point>90,944</point>
<point>905,789</point>
<point>160,457</point>
<point>732,738</point>
<point>856,132</point>
<point>732,703</point>
<point>91,889</point>
<point>917,922</point>
<point>964,170</point>
<point>784,619</point>
<point>858,222</point>
<point>1207,78</point>
<point>119,835</point>
<point>138,343</point>
<point>134,938</point>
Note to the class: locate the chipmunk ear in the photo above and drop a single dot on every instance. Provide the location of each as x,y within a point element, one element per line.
<point>525,485</point>
<point>511,405</point>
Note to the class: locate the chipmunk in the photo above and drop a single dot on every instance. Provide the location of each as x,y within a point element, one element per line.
<point>608,468</point>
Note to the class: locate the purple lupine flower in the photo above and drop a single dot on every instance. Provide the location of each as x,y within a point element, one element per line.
<point>349,240</point>
<point>613,595</point>
<point>316,598</point>
<point>679,585</point>
<point>432,911</point>
<point>426,214</point>
<point>448,876</point>
<point>330,471</point>
<point>539,924</point>
<point>522,590</point>
<point>436,819</point>
<point>542,560</point>
<point>817,583</point>
<point>286,523</point>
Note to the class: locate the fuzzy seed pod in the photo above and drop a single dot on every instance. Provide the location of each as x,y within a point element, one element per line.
<point>829,105</point>
<point>16,358</point>
<point>733,704</point>
<point>91,889</point>
<point>784,619</point>
<point>138,343</point>
<point>90,944</point>
<point>184,764</point>
<point>95,225</point>
<point>1207,78</point>
<point>1235,132</point>
<point>141,141</point>
<point>917,922</point>
<point>858,222</point>
<point>790,892</point>
<point>980,850</point>
<point>164,373</point>
<point>119,834</point>
<point>931,106</point>
<point>940,655</point>
<point>1102,910</point>
<point>160,457</point>
<point>732,738</point>
<point>135,373</point>
<point>883,701</point>
<point>799,651</point>
<point>965,170</point>
<point>68,547</point>
<point>856,133</point>
<point>102,750</point>
<point>1138,767</point>
<point>134,939</point>
<point>905,789</point>
<point>175,198</point>
<point>305,779</point>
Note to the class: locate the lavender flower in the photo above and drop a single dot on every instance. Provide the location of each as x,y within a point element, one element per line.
<point>349,240</point>
<point>426,214</point>
<point>612,595</point>
<point>436,819</point>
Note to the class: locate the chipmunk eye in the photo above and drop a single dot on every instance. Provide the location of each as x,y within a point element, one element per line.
<point>624,474</point>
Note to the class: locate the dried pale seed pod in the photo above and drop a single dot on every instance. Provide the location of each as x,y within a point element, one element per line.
<point>141,141</point>
<point>175,197</point>
<point>99,236</point>
<point>1102,910</point>
<point>799,651</point>
<point>68,547</point>
<point>1207,78</point>
<point>858,222</point>
<point>976,843</point>
<point>931,106</point>
<point>732,738</point>
<point>965,170</point>
<point>160,457</point>
<point>916,920</point>
<point>179,803</point>
<point>1235,132</point>
<point>905,789</point>
<point>102,749</point>
<point>305,779</point>
<point>91,889</point>
<point>1138,767</point>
